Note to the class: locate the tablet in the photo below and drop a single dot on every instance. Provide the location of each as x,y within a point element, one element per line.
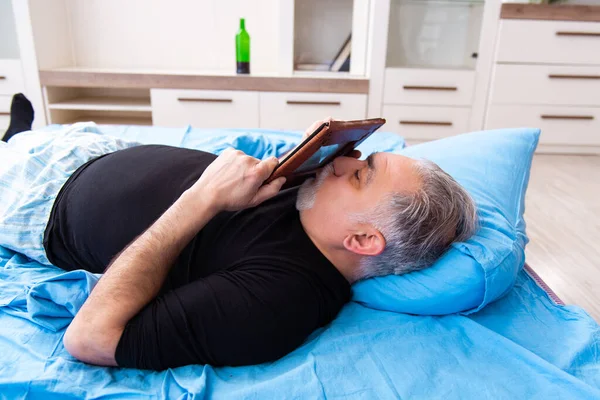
<point>330,140</point>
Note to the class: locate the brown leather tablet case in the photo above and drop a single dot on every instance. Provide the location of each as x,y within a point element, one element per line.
<point>343,136</point>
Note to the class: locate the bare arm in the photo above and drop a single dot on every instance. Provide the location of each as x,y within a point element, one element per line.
<point>232,182</point>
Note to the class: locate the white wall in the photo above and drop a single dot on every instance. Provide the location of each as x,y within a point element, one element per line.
<point>176,35</point>
<point>9,47</point>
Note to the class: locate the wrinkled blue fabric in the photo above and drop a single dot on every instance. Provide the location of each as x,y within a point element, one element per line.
<point>521,346</point>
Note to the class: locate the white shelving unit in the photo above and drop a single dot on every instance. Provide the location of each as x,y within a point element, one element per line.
<point>432,63</point>
<point>11,74</point>
<point>547,75</point>
<point>432,42</point>
<point>106,109</point>
<point>313,31</point>
<point>429,66</point>
<point>103,104</point>
<point>103,110</point>
<point>18,64</point>
<point>107,119</point>
<point>111,37</point>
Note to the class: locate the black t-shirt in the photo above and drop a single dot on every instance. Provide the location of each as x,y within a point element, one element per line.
<point>249,288</point>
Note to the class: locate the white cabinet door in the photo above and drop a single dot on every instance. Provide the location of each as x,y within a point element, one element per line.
<point>426,123</point>
<point>5,103</point>
<point>11,77</point>
<point>546,84</point>
<point>428,87</point>
<point>297,111</point>
<point>4,113</point>
<point>573,126</point>
<point>549,42</point>
<point>204,108</point>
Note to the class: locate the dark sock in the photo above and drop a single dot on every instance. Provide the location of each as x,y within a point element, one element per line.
<point>21,116</point>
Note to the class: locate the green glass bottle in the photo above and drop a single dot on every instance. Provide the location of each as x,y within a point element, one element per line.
<point>242,49</point>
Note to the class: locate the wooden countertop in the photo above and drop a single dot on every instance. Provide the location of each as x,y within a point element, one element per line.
<point>558,12</point>
<point>74,77</point>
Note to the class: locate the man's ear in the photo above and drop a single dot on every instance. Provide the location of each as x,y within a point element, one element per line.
<point>369,242</point>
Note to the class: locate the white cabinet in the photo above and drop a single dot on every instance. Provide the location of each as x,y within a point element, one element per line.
<point>547,75</point>
<point>11,77</point>
<point>427,104</point>
<point>576,126</point>
<point>549,42</point>
<point>418,124</point>
<point>4,121</point>
<point>18,65</point>
<point>4,113</point>
<point>11,82</point>
<point>205,108</point>
<point>5,103</point>
<point>251,109</point>
<point>436,59</point>
<point>428,86</point>
<point>547,84</point>
<point>289,110</point>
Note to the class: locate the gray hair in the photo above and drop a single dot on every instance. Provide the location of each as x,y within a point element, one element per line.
<point>419,227</point>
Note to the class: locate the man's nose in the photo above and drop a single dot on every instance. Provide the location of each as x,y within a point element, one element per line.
<point>346,165</point>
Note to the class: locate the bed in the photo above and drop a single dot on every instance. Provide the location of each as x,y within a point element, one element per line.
<point>527,344</point>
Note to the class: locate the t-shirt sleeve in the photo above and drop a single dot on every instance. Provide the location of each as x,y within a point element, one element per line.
<point>247,316</point>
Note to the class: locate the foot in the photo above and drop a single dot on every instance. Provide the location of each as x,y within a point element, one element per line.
<point>21,116</point>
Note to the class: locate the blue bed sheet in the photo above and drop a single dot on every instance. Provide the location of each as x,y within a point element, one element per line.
<point>522,346</point>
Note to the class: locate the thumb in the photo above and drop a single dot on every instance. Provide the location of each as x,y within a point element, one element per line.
<point>267,191</point>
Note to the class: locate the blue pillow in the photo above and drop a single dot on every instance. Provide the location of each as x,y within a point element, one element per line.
<point>493,166</point>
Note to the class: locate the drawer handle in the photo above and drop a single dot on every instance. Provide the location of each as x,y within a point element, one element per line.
<point>199,100</point>
<point>2,78</point>
<point>560,76</point>
<point>569,117</point>
<point>443,88</point>
<point>313,103</point>
<point>584,34</point>
<point>4,113</point>
<point>435,123</point>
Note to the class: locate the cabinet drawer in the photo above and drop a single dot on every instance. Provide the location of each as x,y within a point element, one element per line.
<point>552,42</point>
<point>11,77</point>
<point>546,84</point>
<point>5,104</point>
<point>559,125</point>
<point>426,123</point>
<point>204,108</point>
<point>290,110</point>
<point>4,113</point>
<point>428,87</point>
<point>4,122</point>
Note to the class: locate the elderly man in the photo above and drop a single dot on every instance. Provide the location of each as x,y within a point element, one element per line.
<point>202,262</point>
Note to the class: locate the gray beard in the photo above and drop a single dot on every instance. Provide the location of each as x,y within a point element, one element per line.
<point>307,193</point>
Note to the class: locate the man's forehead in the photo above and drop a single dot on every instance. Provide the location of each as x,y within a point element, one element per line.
<point>398,170</point>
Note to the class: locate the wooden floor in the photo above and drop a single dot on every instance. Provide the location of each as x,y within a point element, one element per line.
<point>563,224</point>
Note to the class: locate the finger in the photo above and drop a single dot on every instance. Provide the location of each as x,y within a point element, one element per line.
<point>265,167</point>
<point>312,128</point>
<point>267,191</point>
<point>355,154</point>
